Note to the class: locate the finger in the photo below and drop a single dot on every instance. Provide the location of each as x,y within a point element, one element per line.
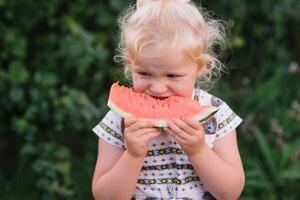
<point>169,131</point>
<point>145,131</point>
<point>139,132</point>
<point>128,121</point>
<point>174,128</point>
<point>148,136</point>
<point>193,123</point>
<point>175,135</point>
<point>180,127</point>
<point>139,124</point>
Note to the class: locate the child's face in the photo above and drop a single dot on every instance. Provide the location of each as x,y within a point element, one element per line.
<point>168,75</point>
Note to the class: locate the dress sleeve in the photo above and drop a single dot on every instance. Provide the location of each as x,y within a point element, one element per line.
<point>222,122</point>
<point>110,130</point>
<point>227,120</point>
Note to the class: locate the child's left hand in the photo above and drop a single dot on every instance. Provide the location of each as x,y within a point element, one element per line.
<point>189,133</point>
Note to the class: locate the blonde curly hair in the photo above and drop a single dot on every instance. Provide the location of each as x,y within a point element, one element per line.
<point>176,24</point>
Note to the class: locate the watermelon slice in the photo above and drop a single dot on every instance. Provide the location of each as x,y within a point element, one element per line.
<point>127,103</point>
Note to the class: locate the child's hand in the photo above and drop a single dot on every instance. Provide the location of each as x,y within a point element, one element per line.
<point>137,134</point>
<point>189,133</point>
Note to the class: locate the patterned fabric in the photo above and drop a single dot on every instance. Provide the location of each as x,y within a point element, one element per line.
<point>167,172</point>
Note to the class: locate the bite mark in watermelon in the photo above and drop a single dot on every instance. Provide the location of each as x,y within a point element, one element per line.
<point>127,103</point>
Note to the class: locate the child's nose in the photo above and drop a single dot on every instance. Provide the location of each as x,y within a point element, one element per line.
<point>158,87</point>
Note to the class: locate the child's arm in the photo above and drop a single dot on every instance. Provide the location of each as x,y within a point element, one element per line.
<point>116,170</point>
<point>220,169</point>
<point>115,173</point>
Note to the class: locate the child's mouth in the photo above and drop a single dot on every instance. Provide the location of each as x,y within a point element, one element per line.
<point>159,98</point>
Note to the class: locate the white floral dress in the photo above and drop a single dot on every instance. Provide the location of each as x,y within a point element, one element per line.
<point>167,172</point>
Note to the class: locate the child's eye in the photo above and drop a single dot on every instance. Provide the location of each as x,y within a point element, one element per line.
<point>144,74</point>
<point>172,76</point>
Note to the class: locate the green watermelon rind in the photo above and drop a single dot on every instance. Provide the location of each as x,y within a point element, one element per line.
<point>201,117</point>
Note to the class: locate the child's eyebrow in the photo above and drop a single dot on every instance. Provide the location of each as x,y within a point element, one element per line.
<point>149,63</point>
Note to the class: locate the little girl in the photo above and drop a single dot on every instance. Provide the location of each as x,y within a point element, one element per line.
<point>166,45</point>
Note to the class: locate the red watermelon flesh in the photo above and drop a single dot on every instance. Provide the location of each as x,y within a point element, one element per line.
<point>127,103</point>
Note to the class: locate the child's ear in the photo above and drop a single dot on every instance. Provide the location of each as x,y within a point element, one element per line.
<point>203,63</point>
<point>202,69</point>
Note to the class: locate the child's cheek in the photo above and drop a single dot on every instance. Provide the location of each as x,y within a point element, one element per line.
<point>139,84</point>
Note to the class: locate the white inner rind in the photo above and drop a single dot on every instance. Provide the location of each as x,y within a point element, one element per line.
<point>118,110</point>
<point>163,123</point>
<point>210,111</point>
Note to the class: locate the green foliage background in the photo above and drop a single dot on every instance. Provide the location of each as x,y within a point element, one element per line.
<point>56,66</point>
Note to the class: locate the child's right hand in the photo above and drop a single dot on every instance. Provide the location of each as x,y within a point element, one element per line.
<point>137,134</point>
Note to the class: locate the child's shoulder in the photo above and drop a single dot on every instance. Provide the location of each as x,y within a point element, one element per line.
<point>222,122</point>
<point>110,129</point>
<point>206,99</point>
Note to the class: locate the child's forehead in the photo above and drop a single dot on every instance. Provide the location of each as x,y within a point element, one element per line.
<point>158,63</point>
<point>164,58</point>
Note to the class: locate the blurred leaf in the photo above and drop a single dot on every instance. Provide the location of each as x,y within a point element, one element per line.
<point>292,172</point>
<point>289,151</point>
<point>266,152</point>
<point>18,73</point>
